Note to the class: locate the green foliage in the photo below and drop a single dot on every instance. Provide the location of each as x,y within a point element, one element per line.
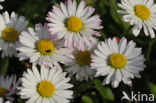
<point>116,16</point>
<point>4,65</point>
<point>104,91</point>
<point>152,88</point>
<point>87,99</point>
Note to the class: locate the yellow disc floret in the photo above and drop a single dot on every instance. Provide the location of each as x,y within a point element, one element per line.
<point>117,60</point>
<point>10,34</point>
<point>142,12</point>
<point>83,58</point>
<point>46,89</point>
<point>45,47</point>
<point>74,24</point>
<point>3,91</point>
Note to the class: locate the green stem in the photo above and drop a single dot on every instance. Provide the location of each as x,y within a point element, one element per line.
<point>148,54</point>
<point>127,31</point>
<point>19,100</point>
<point>4,65</point>
<point>97,5</point>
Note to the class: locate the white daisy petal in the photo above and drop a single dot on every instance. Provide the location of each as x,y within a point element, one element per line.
<point>45,91</point>
<point>139,13</point>
<point>80,65</point>
<point>38,46</point>
<point>74,23</point>
<point>123,64</point>
<point>1,7</point>
<point>136,30</point>
<point>8,87</point>
<point>10,24</point>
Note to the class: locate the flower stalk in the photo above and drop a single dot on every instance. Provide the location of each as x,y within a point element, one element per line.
<point>4,65</point>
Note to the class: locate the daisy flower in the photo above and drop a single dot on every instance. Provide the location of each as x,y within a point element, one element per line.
<point>8,87</point>
<point>2,101</point>
<point>75,25</point>
<point>80,65</point>
<point>40,48</point>
<point>118,60</point>
<point>10,29</point>
<point>46,86</point>
<point>141,14</point>
<point>1,7</point>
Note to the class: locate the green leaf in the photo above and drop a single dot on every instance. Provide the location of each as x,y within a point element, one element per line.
<point>153,89</point>
<point>115,15</point>
<point>87,99</point>
<point>4,65</point>
<point>148,52</point>
<point>92,97</point>
<point>80,87</point>
<point>19,100</point>
<point>105,92</point>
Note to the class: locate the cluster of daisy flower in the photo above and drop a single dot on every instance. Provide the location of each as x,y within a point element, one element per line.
<point>67,39</point>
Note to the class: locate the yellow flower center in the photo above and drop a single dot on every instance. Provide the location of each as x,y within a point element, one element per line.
<point>46,47</point>
<point>83,58</point>
<point>46,89</point>
<point>3,91</point>
<point>74,24</point>
<point>118,60</point>
<point>10,34</point>
<point>142,12</point>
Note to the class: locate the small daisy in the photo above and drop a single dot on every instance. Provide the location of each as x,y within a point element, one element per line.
<point>1,7</point>
<point>8,87</point>
<point>141,14</point>
<point>75,24</point>
<point>80,65</point>
<point>10,29</point>
<point>118,60</point>
<point>40,48</point>
<point>2,101</point>
<point>46,86</point>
